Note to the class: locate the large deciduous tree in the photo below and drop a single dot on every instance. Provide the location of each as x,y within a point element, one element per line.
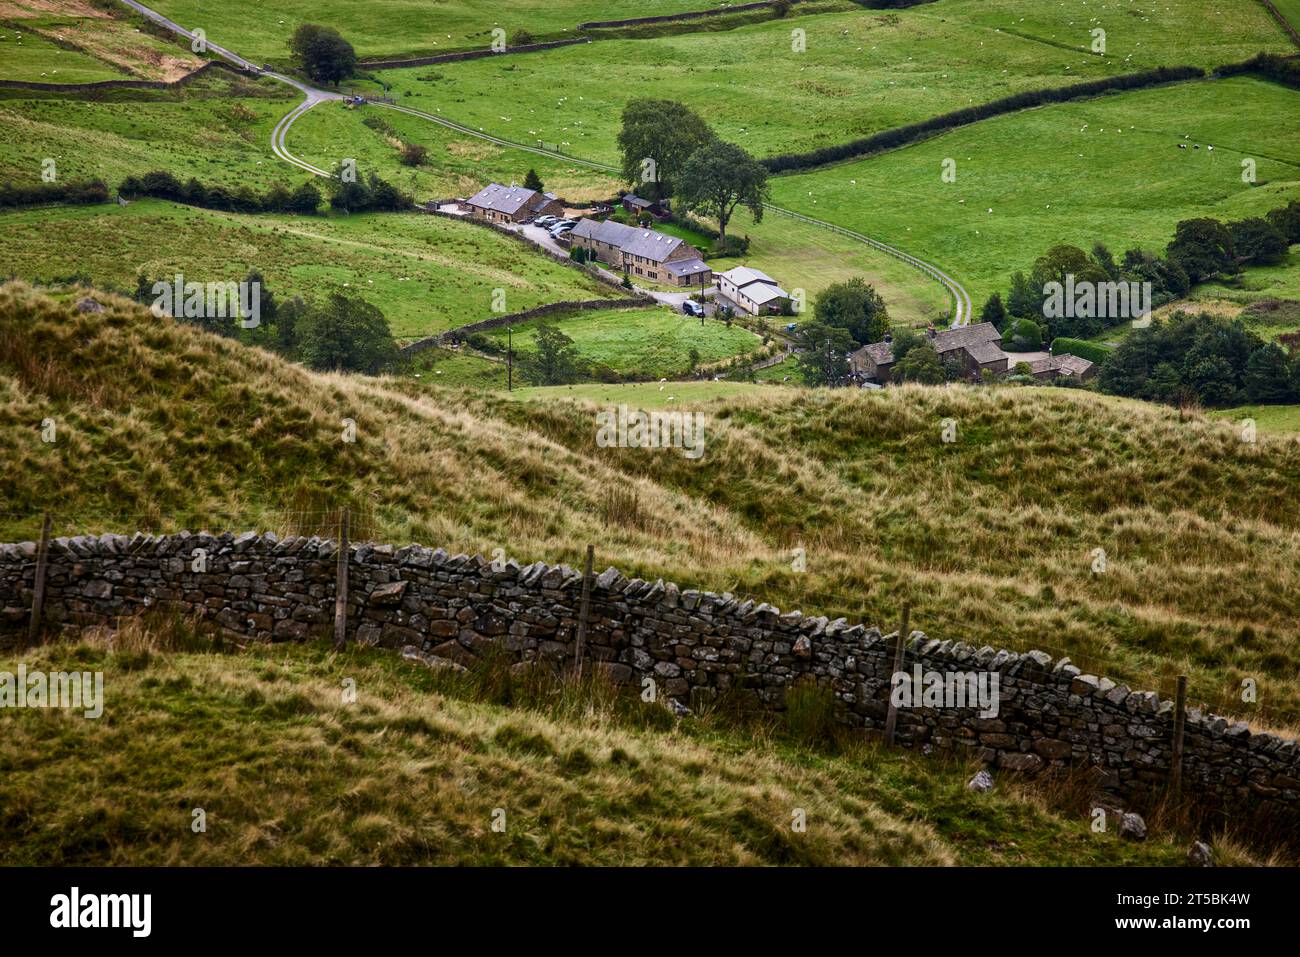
<point>322,53</point>
<point>656,140</point>
<point>855,307</point>
<point>717,178</point>
<point>824,359</point>
<point>345,334</point>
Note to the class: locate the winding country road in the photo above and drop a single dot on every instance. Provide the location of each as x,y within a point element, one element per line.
<point>962,309</point>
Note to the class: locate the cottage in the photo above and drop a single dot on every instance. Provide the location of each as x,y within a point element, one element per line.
<point>978,348</point>
<point>1064,366</point>
<point>752,290</point>
<point>643,252</point>
<point>512,204</point>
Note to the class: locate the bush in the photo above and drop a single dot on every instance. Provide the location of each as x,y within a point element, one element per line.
<point>160,184</point>
<point>1081,348</point>
<point>413,154</point>
<point>40,194</point>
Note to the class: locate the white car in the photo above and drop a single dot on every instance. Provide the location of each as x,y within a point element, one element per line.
<point>562,227</point>
<point>546,221</point>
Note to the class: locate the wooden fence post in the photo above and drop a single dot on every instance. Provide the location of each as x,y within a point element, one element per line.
<point>341,587</point>
<point>38,590</point>
<point>584,610</point>
<point>891,715</point>
<point>1180,720</point>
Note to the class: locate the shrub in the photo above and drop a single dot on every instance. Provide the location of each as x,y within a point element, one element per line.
<point>1081,348</point>
<point>413,154</point>
<point>40,194</point>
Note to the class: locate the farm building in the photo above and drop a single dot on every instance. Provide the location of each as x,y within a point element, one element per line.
<point>642,252</point>
<point>752,290</point>
<point>636,206</point>
<point>978,347</point>
<point>512,204</point>
<point>1062,367</point>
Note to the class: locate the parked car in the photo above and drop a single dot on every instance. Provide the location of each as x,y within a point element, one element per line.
<point>692,308</point>
<point>562,227</point>
<point>546,221</point>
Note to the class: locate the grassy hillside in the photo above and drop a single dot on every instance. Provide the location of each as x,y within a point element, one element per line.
<point>1106,169</point>
<point>218,129</point>
<point>861,72</point>
<point>992,538</point>
<point>413,771</point>
<point>426,274</point>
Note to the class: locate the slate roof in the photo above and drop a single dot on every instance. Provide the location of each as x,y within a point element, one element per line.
<point>507,199</point>
<point>634,241</point>
<point>1065,364</point>
<point>686,267</point>
<point>972,338</point>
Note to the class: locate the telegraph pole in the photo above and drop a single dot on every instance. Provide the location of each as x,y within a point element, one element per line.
<point>510,355</point>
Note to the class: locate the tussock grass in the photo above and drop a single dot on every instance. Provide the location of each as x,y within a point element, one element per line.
<point>289,771</point>
<point>991,538</point>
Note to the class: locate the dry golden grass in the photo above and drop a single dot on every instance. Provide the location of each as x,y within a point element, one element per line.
<point>992,538</point>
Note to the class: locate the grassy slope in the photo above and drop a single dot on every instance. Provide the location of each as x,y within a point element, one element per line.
<point>385,28</point>
<point>1258,282</point>
<point>642,342</point>
<point>412,772</point>
<point>425,273</point>
<point>218,129</point>
<point>1106,169</point>
<point>861,72</point>
<point>33,57</point>
<point>1269,419</point>
<point>990,538</point>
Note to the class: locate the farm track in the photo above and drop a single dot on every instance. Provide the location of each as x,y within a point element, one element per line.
<point>961,299</point>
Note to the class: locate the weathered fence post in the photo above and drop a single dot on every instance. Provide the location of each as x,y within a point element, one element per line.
<point>38,590</point>
<point>341,587</point>
<point>891,715</point>
<point>584,610</point>
<point>1180,720</point>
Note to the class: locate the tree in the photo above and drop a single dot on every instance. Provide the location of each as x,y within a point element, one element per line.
<point>855,307</point>
<point>1024,301</point>
<point>1203,247</point>
<point>1022,335</point>
<point>304,200</point>
<point>345,334</point>
<point>904,341</point>
<point>1287,220</point>
<point>267,307</point>
<point>656,140</point>
<point>921,364</point>
<point>533,181</point>
<point>1268,375</point>
<point>555,361</point>
<point>717,178</point>
<point>322,54</point>
<point>1104,259</point>
<point>824,359</point>
<point>994,311</point>
<point>1258,242</point>
<point>287,317</point>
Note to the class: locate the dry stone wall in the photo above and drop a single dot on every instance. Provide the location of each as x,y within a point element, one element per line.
<point>694,645</point>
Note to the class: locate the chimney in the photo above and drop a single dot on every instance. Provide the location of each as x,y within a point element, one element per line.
<point>929,331</point>
<point>889,337</point>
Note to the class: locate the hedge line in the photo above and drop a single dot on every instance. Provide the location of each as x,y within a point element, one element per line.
<point>46,194</point>
<point>1081,348</point>
<point>903,135</point>
<point>1270,66</point>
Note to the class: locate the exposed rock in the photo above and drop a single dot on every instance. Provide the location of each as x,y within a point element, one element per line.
<point>1199,855</point>
<point>412,653</point>
<point>983,781</point>
<point>1132,827</point>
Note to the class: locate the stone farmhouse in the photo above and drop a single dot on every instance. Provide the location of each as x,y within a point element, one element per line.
<point>642,252</point>
<point>978,346</point>
<point>752,290</point>
<point>512,204</point>
<point>1063,366</point>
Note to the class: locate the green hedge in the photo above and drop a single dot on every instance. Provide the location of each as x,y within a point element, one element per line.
<point>1081,348</point>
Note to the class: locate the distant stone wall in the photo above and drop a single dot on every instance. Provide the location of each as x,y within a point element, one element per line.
<point>694,645</point>
<point>510,319</point>
<point>102,85</point>
<point>468,54</point>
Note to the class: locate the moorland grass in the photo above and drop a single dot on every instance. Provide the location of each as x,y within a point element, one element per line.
<point>991,538</point>
<point>287,770</point>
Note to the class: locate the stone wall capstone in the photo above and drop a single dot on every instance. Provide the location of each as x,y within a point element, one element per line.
<point>693,644</point>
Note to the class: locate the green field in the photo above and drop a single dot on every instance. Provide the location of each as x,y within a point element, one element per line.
<point>218,129</point>
<point>1106,169</point>
<point>861,72</point>
<point>645,395</point>
<point>388,28</point>
<point>1269,419</point>
<point>454,368</point>
<point>652,342</point>
<point>33,57</point>
<point>425,273</point>
<point>1258,282</point>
